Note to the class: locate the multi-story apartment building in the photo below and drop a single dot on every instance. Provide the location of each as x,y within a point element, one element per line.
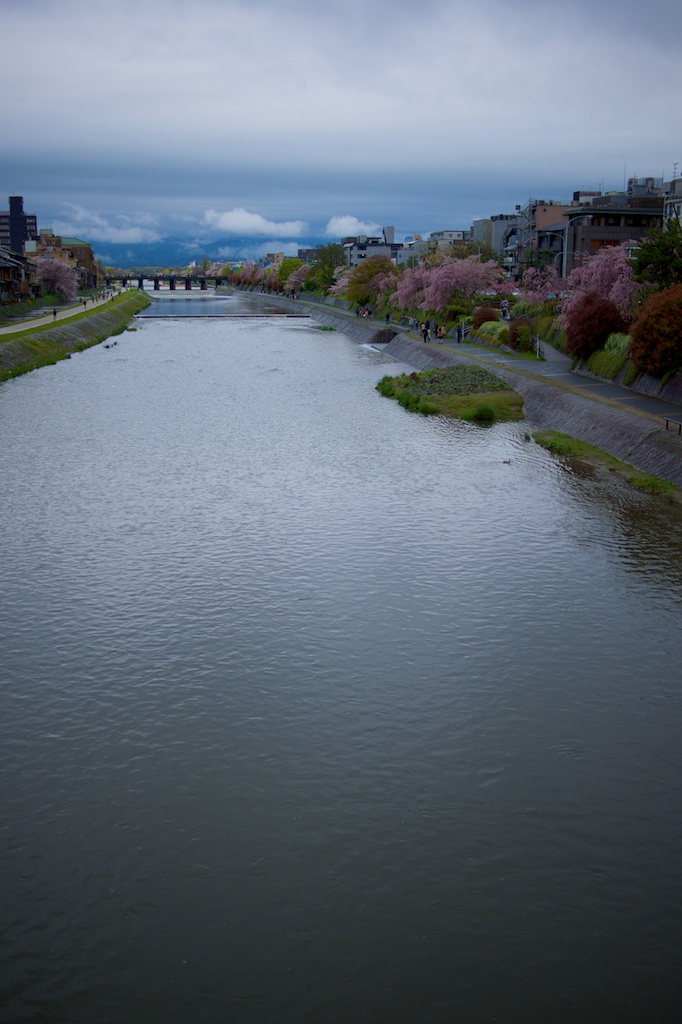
<point>361,247</point>
<point>613,219</point>
<point>448,237</point>
<point>16,227</point>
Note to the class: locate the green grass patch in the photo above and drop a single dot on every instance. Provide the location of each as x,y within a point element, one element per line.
<point>465,392</point>
<point>28,350</point>
<point>568,447</point>
<point>84,314</point>
<point>325,327</point>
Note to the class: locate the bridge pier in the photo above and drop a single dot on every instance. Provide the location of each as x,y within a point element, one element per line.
<point>188,284</point>
<point>140,283</point>
<point>171,283</point>
<point>157,284</point>
<point>204,286</point>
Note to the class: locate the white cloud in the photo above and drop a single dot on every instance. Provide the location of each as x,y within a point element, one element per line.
<point>130,230</point>
<point>243,222</point>
<point>340,227</point>
<point>256,251</point>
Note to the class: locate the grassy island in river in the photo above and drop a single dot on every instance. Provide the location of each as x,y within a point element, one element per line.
<point>467,392</point>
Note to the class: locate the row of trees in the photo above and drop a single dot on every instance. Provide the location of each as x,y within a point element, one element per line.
<point>640,297</point>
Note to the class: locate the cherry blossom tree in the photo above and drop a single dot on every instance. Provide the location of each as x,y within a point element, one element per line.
<point>297,278</point>
<point>341,279</point>
<point>607,274</point>
<point>433,288</point>
<point>410,291</point>
<point>539,283</point>
<point>57,277</point>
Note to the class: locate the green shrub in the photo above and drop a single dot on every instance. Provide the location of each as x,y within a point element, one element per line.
<point>496,333</point>
<point>520,334</point>
<point>483,414</point>
<point>606,364</point>
<point>630,376</point>
<point>618,342</point>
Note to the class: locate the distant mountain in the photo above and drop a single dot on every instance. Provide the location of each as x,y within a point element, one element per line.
<point>179,252</point>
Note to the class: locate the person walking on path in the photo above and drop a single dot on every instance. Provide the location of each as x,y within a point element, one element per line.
<point>54,314</point>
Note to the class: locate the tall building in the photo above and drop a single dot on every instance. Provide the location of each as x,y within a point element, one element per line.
<point>16,227</point>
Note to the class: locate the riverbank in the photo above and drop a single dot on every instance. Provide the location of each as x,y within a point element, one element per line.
<point>27,349</point>
<point>635,437</point>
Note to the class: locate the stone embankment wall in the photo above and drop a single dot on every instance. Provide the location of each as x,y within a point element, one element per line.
<point>633,439</point>
<point>638,441</point>
<point>671,391</point>
<point>32,349</point>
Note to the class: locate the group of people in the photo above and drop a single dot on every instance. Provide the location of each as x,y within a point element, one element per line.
<point>438,331</point>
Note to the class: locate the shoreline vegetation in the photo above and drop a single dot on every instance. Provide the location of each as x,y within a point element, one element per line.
<point>571,450</point>
<point>477,396</point>
<point>26,350</point>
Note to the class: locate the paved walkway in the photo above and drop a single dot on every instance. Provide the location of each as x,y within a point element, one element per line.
<point>554,368</point>
<point>29,323</point>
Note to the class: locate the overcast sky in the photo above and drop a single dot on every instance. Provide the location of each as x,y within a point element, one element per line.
<point>283,120</point>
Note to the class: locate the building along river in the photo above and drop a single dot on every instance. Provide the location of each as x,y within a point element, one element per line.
<point>315,710</point>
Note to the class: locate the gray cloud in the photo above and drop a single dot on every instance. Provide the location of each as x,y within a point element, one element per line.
<point>260,118</point>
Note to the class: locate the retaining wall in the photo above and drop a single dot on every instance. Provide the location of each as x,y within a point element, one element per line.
<point>32,349</point>
<point>631,438</point>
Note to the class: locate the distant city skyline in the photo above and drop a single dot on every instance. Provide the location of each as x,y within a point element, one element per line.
<point>266,127</point>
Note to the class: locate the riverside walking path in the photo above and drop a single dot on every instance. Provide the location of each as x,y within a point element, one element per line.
<point>30,322</point>
<point>554,369</point>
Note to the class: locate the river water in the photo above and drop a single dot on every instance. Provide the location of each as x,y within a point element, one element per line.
<point>315,710</point>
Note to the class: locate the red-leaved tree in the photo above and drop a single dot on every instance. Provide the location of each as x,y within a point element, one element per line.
<point>657,333</point>
<point>589,323</point>
<point>57,278</point>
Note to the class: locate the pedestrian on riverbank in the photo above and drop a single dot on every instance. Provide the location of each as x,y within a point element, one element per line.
<point>54,314</point>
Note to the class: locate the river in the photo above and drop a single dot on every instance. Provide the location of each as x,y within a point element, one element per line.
<point>316,710</point>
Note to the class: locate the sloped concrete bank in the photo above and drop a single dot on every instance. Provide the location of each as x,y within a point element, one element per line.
<point>633,439</point>
<point>43,347</point>
<point>324,310</point>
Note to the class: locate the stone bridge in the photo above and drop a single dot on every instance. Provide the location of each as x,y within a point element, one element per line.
<point>173,280</point>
